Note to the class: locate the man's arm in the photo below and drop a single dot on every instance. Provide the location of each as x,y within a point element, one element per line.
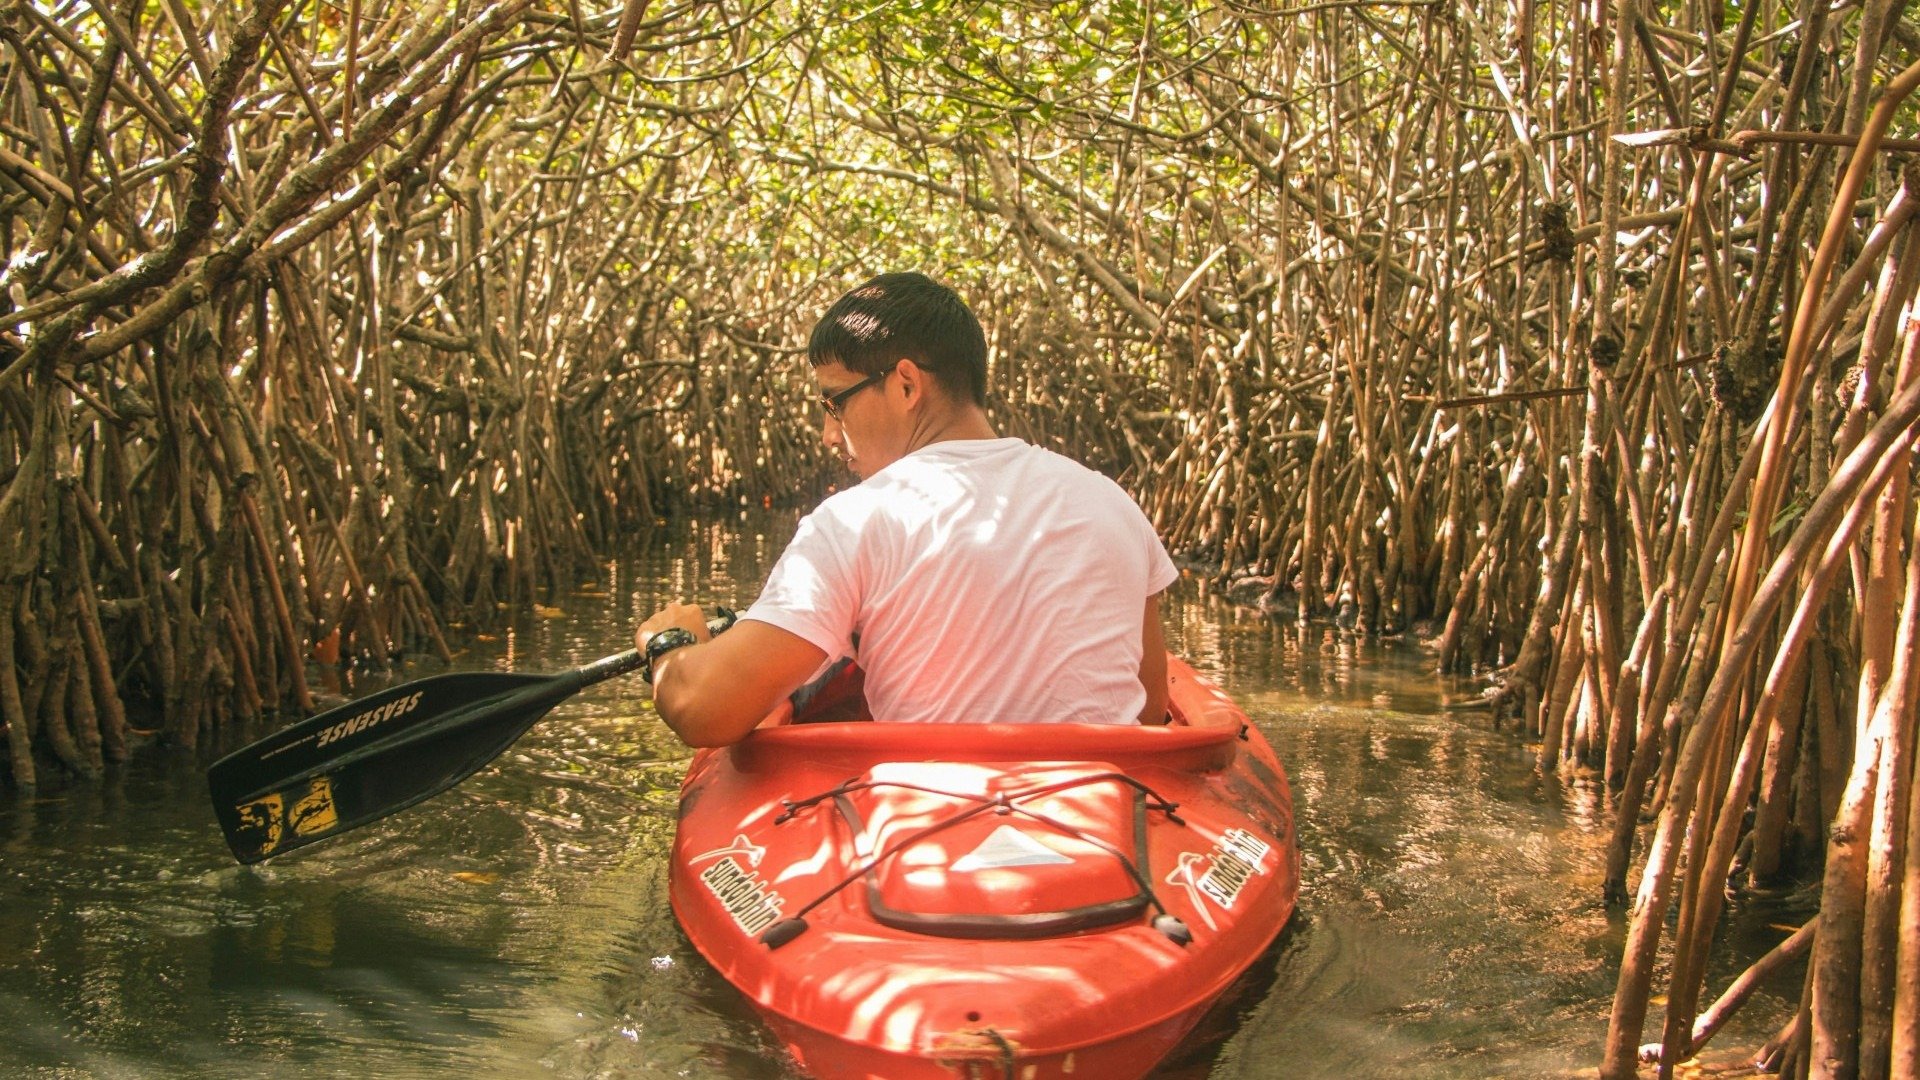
<point>715,692</point>
<point>1153,664</point>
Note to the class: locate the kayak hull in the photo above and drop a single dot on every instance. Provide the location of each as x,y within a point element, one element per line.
<point>975,900</point>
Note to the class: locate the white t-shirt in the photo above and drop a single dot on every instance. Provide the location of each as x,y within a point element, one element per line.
<point>988,580</point>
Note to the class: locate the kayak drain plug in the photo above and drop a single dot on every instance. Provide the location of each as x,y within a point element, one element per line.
<point>787,929</point>
<point>1175,930</point>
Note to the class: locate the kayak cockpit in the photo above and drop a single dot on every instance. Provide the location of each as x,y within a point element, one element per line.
<point>969,850</point>
<point>1202,729</point>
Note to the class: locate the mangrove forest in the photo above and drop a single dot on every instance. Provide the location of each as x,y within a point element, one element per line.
<point>1576,341</point>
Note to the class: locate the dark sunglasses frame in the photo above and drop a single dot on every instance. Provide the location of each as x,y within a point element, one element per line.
<point>837,400</point>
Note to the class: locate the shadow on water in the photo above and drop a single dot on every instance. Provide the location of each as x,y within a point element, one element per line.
<point>518,925</point>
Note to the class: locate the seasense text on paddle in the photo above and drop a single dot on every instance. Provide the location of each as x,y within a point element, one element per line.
<point>353,725</point>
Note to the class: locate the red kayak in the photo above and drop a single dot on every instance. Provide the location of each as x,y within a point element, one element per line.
<point>986,900</point>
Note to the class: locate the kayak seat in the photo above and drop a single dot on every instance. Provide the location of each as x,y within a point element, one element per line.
<point>837,695</point>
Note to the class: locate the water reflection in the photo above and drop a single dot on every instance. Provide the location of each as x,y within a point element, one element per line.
<point>518,925</point>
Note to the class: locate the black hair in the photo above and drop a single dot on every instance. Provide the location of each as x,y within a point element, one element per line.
<point>906,316</point>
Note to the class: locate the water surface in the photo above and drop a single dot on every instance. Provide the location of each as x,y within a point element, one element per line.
<point>518,926</point>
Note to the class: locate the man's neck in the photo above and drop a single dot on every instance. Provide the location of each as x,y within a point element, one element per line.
<point>966,422</point>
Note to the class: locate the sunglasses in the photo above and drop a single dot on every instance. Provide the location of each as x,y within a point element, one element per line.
<point>836,401</point>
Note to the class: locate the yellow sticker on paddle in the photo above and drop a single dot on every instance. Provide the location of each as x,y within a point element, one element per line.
<point>260,822</point>
<point>267,820</point>
<point>314,815</point>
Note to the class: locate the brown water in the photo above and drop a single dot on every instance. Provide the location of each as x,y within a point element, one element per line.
<point>518,925</point>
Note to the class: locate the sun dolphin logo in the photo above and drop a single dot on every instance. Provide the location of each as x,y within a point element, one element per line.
<point>740,889</point>
<point>1236,857</point>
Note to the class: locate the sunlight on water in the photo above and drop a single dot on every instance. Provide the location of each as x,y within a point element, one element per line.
<point>518,925</point>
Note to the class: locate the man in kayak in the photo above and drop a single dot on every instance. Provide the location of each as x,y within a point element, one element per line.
<point>974,578</point>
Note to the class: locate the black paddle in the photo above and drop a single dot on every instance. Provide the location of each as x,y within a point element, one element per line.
<point>385,752</point>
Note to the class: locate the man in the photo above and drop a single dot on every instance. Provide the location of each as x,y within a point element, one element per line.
<point>974,578</point>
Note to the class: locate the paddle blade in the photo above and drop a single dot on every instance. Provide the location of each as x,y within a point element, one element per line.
<point>370,758</point>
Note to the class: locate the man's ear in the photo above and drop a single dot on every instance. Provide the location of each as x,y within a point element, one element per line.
<point>913,380</point>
